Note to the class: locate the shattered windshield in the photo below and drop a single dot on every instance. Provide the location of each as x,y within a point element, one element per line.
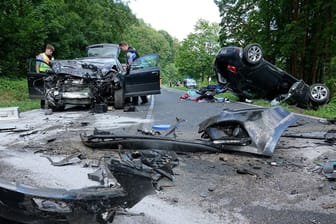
<point>103,51</point>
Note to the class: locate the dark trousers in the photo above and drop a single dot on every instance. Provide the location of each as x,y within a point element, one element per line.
<point>144,99</point>
<point>135,100</point>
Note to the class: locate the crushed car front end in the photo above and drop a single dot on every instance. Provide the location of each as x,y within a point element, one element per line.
<point>71,83</point>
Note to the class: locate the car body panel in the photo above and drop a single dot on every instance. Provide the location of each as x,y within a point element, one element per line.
<point>134,86</point>
<point>261,127</point>
<point>35,81</point>
<point>143,68</point>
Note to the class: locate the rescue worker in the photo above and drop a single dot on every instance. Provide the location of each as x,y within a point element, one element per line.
<point>131,55</point>
<point>46,57</point>
<point>42,65</point>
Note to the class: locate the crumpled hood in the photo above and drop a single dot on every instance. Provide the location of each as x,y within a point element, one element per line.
<point>76,68</point>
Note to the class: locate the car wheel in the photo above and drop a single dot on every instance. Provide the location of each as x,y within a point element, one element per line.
<point>119,99</point>
<point>319,93</point>
<point>253,53</point>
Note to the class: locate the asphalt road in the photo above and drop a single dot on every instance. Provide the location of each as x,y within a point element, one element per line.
<point>209,188</point>
<point>280,189</point>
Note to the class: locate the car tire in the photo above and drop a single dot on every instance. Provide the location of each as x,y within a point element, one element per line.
<point>119,100</point>
<point>319,93</point>
<point>253,54</point>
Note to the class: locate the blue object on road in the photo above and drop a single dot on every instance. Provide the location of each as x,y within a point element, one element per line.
<point>161,127</point>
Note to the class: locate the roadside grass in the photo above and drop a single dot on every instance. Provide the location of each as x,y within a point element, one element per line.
<point>14,93</point>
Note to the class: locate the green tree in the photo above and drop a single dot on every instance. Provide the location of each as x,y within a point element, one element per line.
<point>19,30</point>
<point>147,40</point>
<point>195,55</point>
<point>27,26</point>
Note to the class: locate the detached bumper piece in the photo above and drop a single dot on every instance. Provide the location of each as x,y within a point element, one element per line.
<point>255,131</point>
<point>136,174</point>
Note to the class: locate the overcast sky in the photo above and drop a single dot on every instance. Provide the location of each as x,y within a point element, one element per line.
<point>177,17</point>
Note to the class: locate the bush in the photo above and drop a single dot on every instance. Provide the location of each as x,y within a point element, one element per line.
<point>15,93</point>
<point>331,83</point>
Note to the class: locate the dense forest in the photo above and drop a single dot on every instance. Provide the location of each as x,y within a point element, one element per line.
<point>296,35</point>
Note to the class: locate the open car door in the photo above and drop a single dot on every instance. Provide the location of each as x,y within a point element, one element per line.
<point>35,80</point>
<point>143,77</point>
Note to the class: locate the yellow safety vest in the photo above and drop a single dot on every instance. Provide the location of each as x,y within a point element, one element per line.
<point>45,66</point>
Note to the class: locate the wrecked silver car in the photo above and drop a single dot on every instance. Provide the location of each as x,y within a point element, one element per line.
<point>95,81</point>
<point>255,131</point>
<point>137,175</point>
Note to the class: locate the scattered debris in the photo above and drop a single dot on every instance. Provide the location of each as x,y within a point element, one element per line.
<point>329,170</point>
<point>48,112</point>
<point>212,188</point>
<point>328,121</point>
<point>74,158</point>
<point>175,126</point>
<point>7,128</point>
<point>146,142</point>
<point>130,109</point>
<point>205,94</point>
<point>100,108</point>
<point>294,192</point>
<point>50,139</point>
<point>9,113</point>
<point>328,136</point>
<point>239,130</point>
<point>84,124</point>
<point>246,171</point>
<point>122,184</point>
<point>228,131</point>
<point>149,132</point>
<point>97,175</point>
<point>28,133</point>
<point>328,206</point>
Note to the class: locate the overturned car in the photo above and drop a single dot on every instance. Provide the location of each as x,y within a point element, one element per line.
<point>96,80</point>
<point>250,76</point>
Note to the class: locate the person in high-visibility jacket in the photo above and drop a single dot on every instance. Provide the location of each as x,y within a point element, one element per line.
<point>46,57</point>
